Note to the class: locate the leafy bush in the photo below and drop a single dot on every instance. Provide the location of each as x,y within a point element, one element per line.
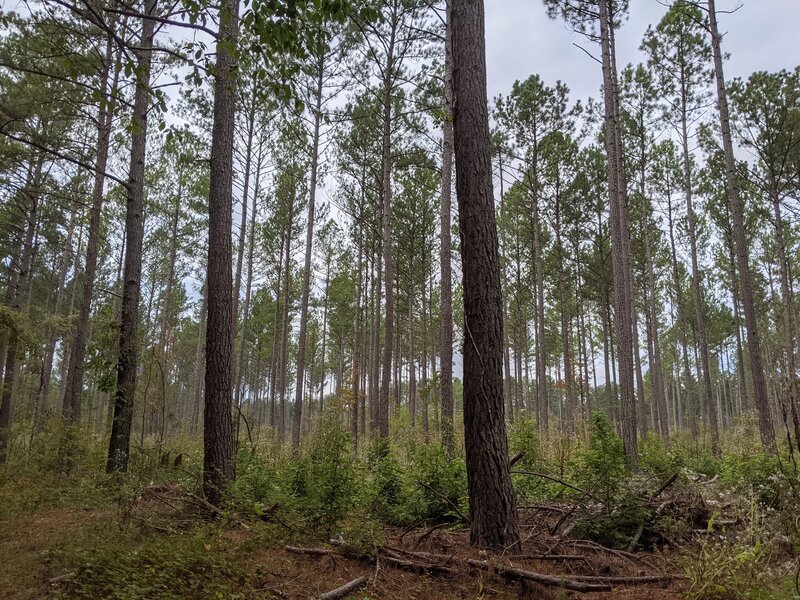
<point>389,497</point>
<point>442,484</point>
<point>431,487</point>
<point>323,483</point>
<point>762,473</point>
<point>602,468</point>
<point>731,567</point>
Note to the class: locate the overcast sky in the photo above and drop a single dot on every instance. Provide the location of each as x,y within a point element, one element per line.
<point>521,40</point>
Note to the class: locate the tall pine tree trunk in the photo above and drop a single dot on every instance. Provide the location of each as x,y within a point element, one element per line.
<point>765,426</point>
<point>128,358</point>
<point>445,250</point>
<point>73,387</point>
<point>493,511</point>
<point>218,443</point>
<point>312,196</point>
<point>31,193</point>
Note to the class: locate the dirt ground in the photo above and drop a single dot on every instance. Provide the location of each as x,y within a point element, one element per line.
<point>33,549</point>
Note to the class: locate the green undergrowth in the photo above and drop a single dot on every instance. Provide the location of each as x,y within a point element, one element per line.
<point>329,489</point>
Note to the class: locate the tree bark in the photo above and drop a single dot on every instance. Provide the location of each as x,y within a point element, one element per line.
<point>445,250</point>
<point>312,196</point>
<point>128,358</point>
<point>765,425</point>
<point>386,237</point>
<point>33,193</point>
<point>493,518</point>
<point>71,405</point>
<point>218,443</point>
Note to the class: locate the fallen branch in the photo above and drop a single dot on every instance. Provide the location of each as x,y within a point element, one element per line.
<point>664,486</point>
<point>309,551</point>
<point>64,577</point>
<point>556,480</point>
<point>515,459</point>
<point>550,557</point>
<point>547,507</point>
<point>540,578</point>
<point>414,566</point>
<point>621,579</point>
<point>442,558</point>
<point>345,590</point>
<point>425,535</point>
<point>464,517</point>
<point>389,556</point>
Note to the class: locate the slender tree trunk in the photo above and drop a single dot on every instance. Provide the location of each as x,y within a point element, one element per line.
<point>248,163</point>
<point>357,390</point>
<point>699,298</point>
<point>284,358</point>
<point>620,234</point>
<point>386,237</point>
<point>166,306</point>
<point>312,194</point>
<point>276,339</point>
<point>324,334</point>
<point>765,426</point>
<point>568,423</point>
<point>376,343</point>
<point>493,518</point>
<point>248,290</point>
<point>33,193</point>
<point>445,250</point>
<point>199,363</point>
<point>412,366</point>
<point>128,358</point>
<point>541,354</point>
<point>787,316</point>
<point>43,396</point>
<point>73,388</point>
<point>654,348</point>
<point>424,365</point>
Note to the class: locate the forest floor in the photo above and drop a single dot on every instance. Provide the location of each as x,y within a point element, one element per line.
<point>49,554</point>
<point>687,526</point>
<point>156,547</point>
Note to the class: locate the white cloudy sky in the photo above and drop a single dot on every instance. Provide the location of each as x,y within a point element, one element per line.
<point>521,40</point>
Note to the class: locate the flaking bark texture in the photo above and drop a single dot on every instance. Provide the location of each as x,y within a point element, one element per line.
<point>218,465</point>
<point>493,517</point>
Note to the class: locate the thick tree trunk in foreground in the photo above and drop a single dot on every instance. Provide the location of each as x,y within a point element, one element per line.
<point>493,510</point>
<point>218,444</point>
<point>127,362</point>
<point>765,425</point>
